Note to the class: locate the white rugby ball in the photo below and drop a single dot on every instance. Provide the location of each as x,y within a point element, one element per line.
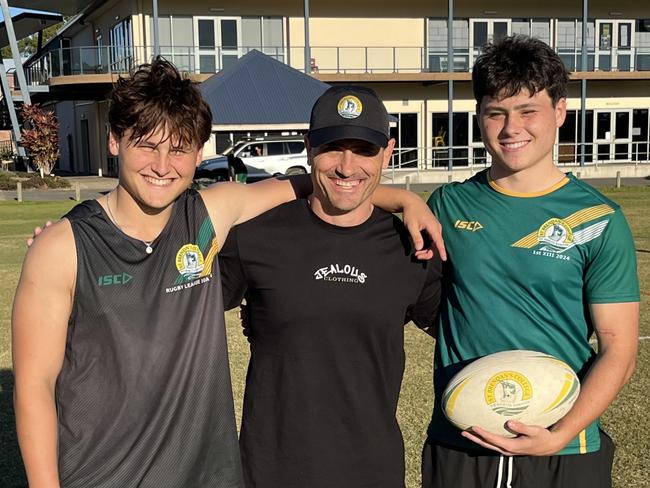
<point>528,386</point>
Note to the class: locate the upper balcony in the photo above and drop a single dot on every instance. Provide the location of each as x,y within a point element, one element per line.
<point>389,63</point>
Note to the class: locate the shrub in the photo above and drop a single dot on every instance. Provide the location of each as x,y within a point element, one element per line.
<point>40,137</point>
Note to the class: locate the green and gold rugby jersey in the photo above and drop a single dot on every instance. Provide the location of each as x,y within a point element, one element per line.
<point>521,274</point>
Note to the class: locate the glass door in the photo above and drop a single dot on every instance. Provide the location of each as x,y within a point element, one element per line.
<point>229,35</point>
<point>482,31</point>
<point>218,42</point>
<point>613,135</point>
<point>614,45</point>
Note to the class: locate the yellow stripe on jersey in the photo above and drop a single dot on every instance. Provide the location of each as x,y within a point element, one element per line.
<point>209,259</point>
<point>583,441</point>
<point>573,220</point>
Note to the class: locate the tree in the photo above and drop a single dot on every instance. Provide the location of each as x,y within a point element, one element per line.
<point>40,137</point>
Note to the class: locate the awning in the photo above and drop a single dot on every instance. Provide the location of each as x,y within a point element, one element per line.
<point>28,23</point>
<point>65,7</point>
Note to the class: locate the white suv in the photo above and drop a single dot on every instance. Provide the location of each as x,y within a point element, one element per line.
<point>272,155</point>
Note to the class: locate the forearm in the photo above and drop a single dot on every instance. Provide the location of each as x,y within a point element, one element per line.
<point>36,425</point>
<point>605,379</point>
<point>393,199</point>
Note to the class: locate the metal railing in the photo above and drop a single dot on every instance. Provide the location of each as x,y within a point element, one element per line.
<point>340,59</point>
<point>475,156</point>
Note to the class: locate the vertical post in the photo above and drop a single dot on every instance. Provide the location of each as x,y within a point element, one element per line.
<point>618,179</point>
<point>6,91</point>
<point>407,181</point>
<point>11,36</point>
<point>19,191</point>
<point>450,83</point>
<point>77,191</point>
<point>156,38</point>
<point>583,84</point>
<point>307,45</point>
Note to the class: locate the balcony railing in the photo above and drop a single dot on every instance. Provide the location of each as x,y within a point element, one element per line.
<point>343,59</point>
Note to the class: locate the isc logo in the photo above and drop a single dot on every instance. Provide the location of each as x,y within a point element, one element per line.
<point>472,225</point>
<point>117,279</point>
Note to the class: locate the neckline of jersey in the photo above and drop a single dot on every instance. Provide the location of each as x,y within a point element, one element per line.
<point>516,194</point>
<point>164,230</point>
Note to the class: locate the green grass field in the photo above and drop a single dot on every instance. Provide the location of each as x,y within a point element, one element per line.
<point>627,420</point>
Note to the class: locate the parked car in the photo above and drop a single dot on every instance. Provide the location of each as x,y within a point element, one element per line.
<point>272,155</point>
<point>263,157</point>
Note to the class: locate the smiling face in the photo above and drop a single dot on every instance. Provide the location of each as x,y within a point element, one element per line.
<point>154,171</point>
<point>519,131</point>
<point>345,173</point>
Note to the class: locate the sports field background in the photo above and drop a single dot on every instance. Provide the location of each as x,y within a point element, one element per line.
<point>627,420</point>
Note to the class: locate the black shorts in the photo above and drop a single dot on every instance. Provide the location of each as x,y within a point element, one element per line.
<point>445,467</point>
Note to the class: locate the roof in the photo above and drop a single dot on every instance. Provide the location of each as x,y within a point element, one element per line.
<point>66,7</point>
<point>259,91</point>
<point>28,23</point>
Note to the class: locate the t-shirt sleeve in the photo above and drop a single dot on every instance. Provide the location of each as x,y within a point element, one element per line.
<point>233,279</point>
<point>424,312</point>
<point>611,273</point>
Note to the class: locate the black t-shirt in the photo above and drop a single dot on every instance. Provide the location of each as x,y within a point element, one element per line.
<point>327,309</point>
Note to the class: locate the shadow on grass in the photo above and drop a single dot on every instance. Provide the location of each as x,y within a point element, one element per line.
<point>12,474</point>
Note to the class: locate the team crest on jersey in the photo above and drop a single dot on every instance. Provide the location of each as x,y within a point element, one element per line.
<point>189,260</point>
<point>194,260</point>
<point>555,236</point>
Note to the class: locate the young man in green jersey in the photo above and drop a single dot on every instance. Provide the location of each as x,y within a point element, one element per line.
<point>552,262</point>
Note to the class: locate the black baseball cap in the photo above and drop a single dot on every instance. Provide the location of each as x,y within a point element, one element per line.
<point>348,112</point>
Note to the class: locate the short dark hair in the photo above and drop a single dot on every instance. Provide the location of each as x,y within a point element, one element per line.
<point>519,62</point>
<point>156,95</point>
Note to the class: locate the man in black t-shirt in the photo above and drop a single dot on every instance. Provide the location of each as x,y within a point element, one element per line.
<point>330,283</point>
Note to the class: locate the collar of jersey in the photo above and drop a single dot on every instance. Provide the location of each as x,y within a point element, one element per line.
<point>517,194</point>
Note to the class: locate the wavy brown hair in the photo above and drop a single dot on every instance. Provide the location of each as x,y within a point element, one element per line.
<point>156,96</point>
<point>519,62</point>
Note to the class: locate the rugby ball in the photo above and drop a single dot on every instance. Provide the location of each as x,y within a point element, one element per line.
<point>528,386</point>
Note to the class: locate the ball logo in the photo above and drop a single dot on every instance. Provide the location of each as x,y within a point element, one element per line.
<point>349,107</point>
<point>189,260</point>
<point>508,393</point>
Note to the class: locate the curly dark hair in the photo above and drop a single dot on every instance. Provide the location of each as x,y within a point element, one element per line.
<point>519,62</point>
<point>157,96</point>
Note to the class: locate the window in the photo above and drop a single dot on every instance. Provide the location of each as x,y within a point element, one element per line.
<point>274,148</point>
<point>206,33</point>
<point>296,147</point>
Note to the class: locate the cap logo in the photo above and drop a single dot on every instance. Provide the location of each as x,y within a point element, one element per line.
<point>349,107</point>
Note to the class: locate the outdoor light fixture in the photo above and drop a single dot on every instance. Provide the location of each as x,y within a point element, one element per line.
<point>615,14</point>
<point>217,9</point>
<point>489,12</point>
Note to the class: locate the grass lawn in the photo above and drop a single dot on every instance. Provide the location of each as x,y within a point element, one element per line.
<point>627,420</point>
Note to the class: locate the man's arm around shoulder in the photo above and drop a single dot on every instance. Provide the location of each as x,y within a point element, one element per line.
<point>230,204</point>
<point>41,310</point>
